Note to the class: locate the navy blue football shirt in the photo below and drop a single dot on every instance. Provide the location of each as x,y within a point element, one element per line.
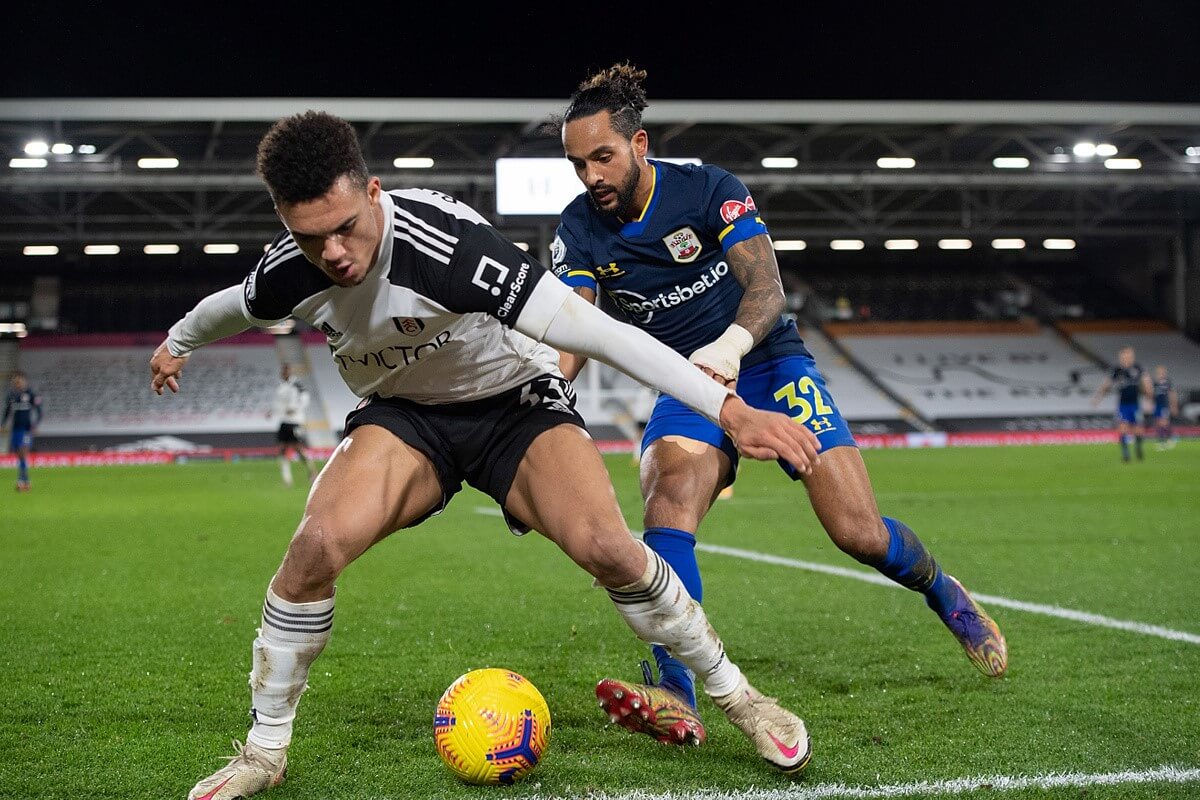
<point>667,270</point>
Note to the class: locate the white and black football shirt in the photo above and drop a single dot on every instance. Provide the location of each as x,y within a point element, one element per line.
<point>432,321</point>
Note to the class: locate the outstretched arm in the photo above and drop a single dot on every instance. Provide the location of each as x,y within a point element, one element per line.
<point>215,317</point>
<point>1103,390</point>
<point>753,265</point>
<point>563,320</point>
<point>571,364</point>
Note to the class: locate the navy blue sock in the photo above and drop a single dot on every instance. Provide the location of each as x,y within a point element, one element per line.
<point>677,548</point>
<point>909,564</point>
<point>1124,448</point>
<point>1137,444</point>
<point>22,470</point>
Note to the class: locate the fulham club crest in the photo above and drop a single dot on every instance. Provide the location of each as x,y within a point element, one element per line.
<point>409,326</point>
<point>684,245</point>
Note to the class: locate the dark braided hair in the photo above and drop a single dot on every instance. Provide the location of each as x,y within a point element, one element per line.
<point>303,155</point>
<point>617,90</point>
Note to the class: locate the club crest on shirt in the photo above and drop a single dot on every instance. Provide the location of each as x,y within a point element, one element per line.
<point>409,326</point>
<point>558,251</point>
<point>734,209</point>
<point>683,244</point>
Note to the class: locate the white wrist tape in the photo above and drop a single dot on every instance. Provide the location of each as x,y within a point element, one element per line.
<point>724,356</point>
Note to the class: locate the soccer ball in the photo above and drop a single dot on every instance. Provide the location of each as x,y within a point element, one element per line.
<point>491,726</point>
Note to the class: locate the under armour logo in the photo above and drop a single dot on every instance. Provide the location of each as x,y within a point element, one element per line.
<point>821,424</point>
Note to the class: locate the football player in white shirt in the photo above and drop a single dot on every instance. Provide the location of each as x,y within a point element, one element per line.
<point>437,321</point>
<point>291,404</point>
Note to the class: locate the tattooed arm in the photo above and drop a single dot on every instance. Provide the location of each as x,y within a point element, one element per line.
<point>753,265</point>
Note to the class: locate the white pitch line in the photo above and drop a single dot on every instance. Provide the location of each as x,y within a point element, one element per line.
<point>991,599</point>
<point>1085,617</point>
<point>983,783</point>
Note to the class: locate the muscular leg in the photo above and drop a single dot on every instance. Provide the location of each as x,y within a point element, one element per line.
<point>586,523</point>
<point>680,479</point>
<point>373,484</point>
<point>842,497</point>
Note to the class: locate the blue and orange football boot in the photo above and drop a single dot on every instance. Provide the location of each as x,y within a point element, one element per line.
<point>650,709</point>
<point>978,634</point>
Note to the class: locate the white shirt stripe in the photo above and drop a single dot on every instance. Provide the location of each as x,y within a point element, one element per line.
<point>283,253</point>
<point>425,237</point>
<point>422,223</point>
<point>434,254</point>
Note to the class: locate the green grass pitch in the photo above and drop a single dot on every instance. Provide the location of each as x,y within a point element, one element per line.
<point>130,596</point>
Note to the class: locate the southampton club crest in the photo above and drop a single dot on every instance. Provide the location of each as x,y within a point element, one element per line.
<point>684,245</point>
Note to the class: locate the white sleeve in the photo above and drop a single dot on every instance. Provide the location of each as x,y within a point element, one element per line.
<point>215,317</point>
<point>557,316</point>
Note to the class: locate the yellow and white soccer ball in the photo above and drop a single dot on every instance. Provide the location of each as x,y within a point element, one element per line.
<point>491,726</point>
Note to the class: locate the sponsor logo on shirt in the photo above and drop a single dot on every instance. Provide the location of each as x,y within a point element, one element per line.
<point>514,291</point>
<point>683,244</point>
<point>642,308</point>
<point>331,333</point>
<point>393,357</point>
<point>734,209</point>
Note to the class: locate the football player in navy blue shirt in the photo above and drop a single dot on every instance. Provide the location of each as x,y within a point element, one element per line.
<point>24,405</point>
<point>1132,383</point>
<point>1166,406</point>
<point>683,252</point>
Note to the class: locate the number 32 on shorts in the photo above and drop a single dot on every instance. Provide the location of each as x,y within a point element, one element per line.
<point>796,395</point>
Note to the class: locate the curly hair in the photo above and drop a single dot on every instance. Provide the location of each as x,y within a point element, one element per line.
<point>617,90</point>
<point>302,156</point>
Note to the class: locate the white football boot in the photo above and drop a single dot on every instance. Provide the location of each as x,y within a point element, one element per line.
<point>779,735</point>
<point>252,769</point>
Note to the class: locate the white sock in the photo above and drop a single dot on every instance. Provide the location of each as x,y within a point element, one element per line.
<point>285,470</point>
<point>660,611</point>
<point>290,639</point>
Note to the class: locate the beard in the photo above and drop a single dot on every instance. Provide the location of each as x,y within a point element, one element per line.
<point>626,190</point>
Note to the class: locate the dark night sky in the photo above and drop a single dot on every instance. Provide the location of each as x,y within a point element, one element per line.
<point>968,50</point>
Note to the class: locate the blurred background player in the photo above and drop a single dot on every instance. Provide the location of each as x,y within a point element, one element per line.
<point>683,252</point>
<point>291,405</point>
<point>1132,383</point>
<point>1166,407</point>
<point>25,407</point>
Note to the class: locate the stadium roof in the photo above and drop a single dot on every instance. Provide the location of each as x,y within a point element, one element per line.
<point>1140,177</point>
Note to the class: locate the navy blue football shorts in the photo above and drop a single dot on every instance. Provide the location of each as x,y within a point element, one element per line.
<point>791,385</point>
<point>1129,413</point>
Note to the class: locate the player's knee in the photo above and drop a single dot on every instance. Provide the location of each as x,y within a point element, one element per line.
<point>605,553</point>
<point>315,558</point>
<point>677,501</point>
<point>859,534</point>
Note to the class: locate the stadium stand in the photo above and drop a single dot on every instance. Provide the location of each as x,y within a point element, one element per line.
<point>1076,292</point>
<point>918,294</point>
<point>952,372</point>
<point>99,386</point>
<point>857,398</point>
